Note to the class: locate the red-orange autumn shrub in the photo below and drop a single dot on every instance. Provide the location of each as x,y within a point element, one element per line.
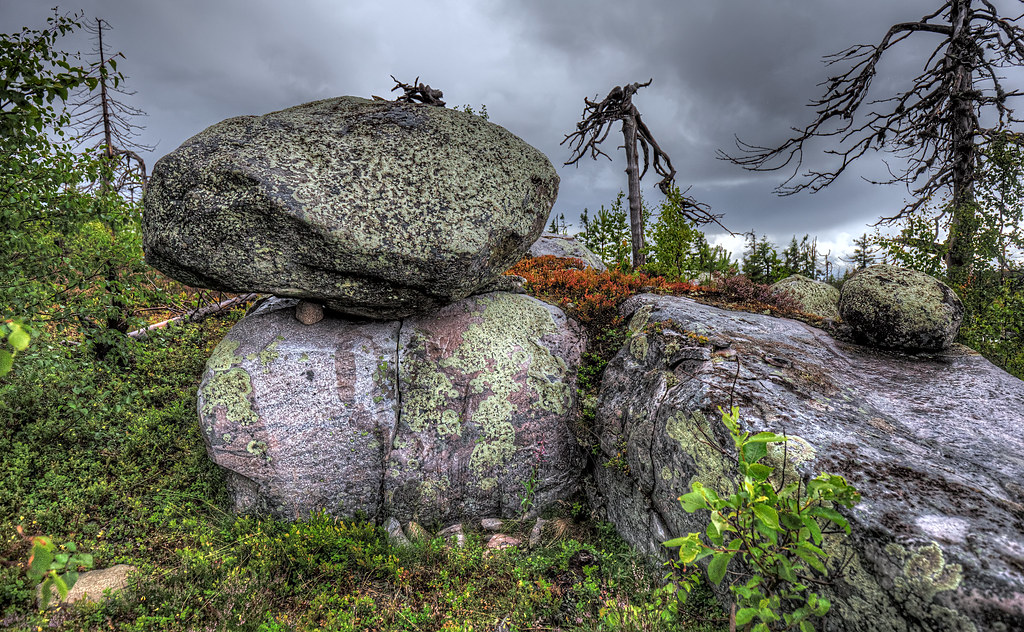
<point>589,296</point>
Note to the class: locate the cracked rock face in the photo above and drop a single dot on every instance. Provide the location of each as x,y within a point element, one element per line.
<point>434,419</point>
<point>372,208</point>
<point>931,441</point>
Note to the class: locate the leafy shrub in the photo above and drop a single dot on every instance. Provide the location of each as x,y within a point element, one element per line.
<point>775,528</point>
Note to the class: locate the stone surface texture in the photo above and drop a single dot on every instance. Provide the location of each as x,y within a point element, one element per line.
<point>931,441</point>
<point>92,585</point>
<point>896,308</point>
<point>564,246</point>
<point>430,419</point>
<point>814,297</point>
<point>371,208</point>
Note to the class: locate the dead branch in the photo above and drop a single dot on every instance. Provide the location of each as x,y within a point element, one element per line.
<point>418,93</point>
<point>195,316</point>
<point>596,124</point>
<point>927,126</point>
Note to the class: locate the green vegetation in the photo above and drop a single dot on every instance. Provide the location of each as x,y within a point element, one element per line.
<point>113,460</point>
<point>774,526</point>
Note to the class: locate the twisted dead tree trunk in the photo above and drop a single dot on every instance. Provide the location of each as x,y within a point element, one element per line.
<point>594,128</point>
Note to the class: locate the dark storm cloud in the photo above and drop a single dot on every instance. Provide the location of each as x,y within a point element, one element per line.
<point>721,68</point>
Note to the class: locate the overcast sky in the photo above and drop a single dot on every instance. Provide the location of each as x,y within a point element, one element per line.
<point>720,68</point>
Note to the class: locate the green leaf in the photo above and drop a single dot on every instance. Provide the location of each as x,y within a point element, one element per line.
<point>812,526</point>
<point>830,514</point>
<point>752,452</point>
<point>19,338</point>
<point>6,361</point>
<point>689,547</point>
<point>716,569</point>
<point>40,560</point>
<point>791,520</point>
<point>759,472</point>
<point>47,592</point>
<point>693,501</point>
<point>70,578</point>
<point>811,559</point>
<point>806,626</point>
<point>62,586</point>
<point>745,615</point>
<point>785,570</point>
<point>767,515</point>
<point>767,437</point>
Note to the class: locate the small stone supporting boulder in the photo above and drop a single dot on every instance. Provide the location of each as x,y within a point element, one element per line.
<point>813,297</point>
<point>897,308</point>
<point>372,208</point>
<point>932,443</point>
<point>435,419</point>
<point>566,246</point>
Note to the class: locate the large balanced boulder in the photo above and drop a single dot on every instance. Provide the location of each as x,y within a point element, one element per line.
<point>897,308</point>
<point>372,208</point>
<point>932,442</point>
<point>813,297</point>
<point>436,419</point>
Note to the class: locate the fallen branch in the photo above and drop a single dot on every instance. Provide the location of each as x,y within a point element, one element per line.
<point>195,315</point>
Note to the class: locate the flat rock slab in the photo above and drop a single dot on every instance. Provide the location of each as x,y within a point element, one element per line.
<point>433,419</point>
<point>932,442</point>
<point>371,208</point>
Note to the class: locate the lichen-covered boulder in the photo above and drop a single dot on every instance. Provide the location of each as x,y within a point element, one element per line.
<point>813,297</point>
<point>372,208</point>
<point>896,308</point>
<point>565,246</point>
<point>301,417</point>
<point>487,388</point>
<point>432,419</point>
<point>931,442</point>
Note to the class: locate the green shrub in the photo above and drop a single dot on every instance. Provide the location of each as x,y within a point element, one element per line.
<point>774,528</point>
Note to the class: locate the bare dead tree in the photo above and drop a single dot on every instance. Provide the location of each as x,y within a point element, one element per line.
<point>417,92</point>
<point>934,126</point>
<point>593,129</point>
<point>101,114</point>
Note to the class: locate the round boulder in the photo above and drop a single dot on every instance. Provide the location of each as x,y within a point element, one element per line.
<point>896,308</point>
<point>566,246</point>
<point>814,297</point>
<point>457,415</point>
<point>372,208</point>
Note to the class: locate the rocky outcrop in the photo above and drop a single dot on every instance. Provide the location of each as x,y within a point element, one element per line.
<point>931,441</point>
<point>812,297</point>
<point>371,208</point>
<point>897,308</point>
<point>565,246</point>
<point>432,419</point>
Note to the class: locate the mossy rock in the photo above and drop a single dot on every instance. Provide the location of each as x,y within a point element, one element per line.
<point>897,308</point>
<point>566,246</point>
<point>371,208</point>
<point>434,419</point>
<point>931,441</point>
<point>813,297</point>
